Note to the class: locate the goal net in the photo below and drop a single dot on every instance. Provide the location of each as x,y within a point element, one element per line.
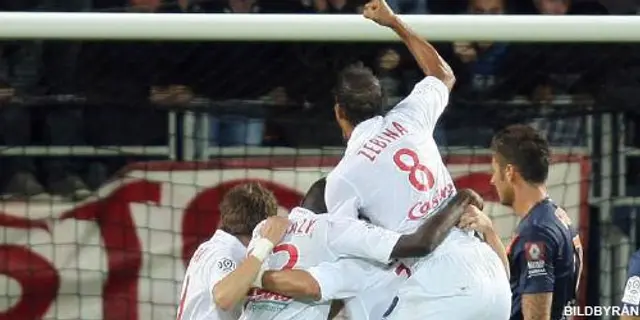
<point>133,139</point>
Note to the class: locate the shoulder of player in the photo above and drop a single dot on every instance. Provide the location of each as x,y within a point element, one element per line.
<point>548,234</point>
<point>544,217</point>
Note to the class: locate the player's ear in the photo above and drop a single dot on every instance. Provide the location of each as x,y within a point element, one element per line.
<point>338,112</point>
<point>509,172</point>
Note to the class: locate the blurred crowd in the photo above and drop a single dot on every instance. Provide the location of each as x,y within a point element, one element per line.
<point>113,94</point>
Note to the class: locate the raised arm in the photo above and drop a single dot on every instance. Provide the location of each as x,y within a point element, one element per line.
<point>425,54</point>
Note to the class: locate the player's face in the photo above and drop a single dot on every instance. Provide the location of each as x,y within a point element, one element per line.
<point>500,179</point>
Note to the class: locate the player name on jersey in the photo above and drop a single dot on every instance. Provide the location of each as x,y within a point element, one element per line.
<point>302,228</point>
<point>376,145</point>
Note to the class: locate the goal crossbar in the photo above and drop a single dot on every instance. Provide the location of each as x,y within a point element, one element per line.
<point>294,27</point>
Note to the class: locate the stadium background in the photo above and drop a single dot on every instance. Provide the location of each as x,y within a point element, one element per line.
<point>115,154</point>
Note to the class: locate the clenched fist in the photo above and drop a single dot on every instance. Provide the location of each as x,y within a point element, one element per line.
<point>274,229</point>
<point>379,12</point>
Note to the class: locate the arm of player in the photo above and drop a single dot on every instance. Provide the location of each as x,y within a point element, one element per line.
<point>356,238</point>
<point>537,306</point>
<point>430,96</point>
<point>436,228</point>
<point>428,59</point>
<point>232,288</point>
<point>631,296</point>
<point>297,284</point>
<point>325,282</point>
<point>474,219</point>
<point>534,252</point>
<point>425,54</point>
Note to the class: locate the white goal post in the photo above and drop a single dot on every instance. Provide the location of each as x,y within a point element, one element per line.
<point>294,27</point>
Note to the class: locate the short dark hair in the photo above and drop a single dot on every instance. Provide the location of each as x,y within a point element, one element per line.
<point>359,93</point>
<point>244,206</point>
<point>526,149</point>
<point>314,199</point>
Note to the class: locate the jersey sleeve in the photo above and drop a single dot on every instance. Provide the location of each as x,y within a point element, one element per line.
<point>534,253</point>
<point>349,237</point>
<point>218,266</point>
<point>631,295</point>
<point>342,279</point>
<point>425,104</point>
<point>341,197</point>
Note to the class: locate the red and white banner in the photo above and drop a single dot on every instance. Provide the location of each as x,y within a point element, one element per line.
<point>121,256</point>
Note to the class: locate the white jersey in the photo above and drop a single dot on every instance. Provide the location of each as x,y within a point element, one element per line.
<point>377,285</point>
<point>210,263</point>
<point>393,173</point>
<point>392,170</point>
<point>311,240</point>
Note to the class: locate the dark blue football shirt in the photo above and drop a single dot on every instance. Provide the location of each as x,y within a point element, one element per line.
<point>545,255</point>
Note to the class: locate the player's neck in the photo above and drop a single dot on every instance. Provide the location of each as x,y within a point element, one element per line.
<point>244,240</point>
<point>527,197</point>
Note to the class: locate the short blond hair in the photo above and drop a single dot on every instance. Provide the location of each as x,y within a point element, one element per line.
<point>244,206</point>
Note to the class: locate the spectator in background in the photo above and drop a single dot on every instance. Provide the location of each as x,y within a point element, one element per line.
<point>562,72</point>
<point>117,77</point>
<point>337,6</point>
<point>480,65</point>
<point>409,6</point>
<point>24,76</point>
<point>481,76</point>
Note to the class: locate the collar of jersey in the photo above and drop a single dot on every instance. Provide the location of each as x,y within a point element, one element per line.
<point>300,211</point>
<point>359,132</point>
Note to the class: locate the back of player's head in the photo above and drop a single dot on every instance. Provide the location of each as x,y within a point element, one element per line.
<point>314,199</point>
<point>244,206</point>
<point>358,94</point>
<point>524,148</point>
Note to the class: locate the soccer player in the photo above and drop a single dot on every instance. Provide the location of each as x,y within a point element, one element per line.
<point>392,173</point>
<point>631,296</point>
<point>216,279</point>
<point>314,238</point>
<point>545,254</point>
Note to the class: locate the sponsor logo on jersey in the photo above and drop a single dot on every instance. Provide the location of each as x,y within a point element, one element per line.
<point>535,255</point>
<point>263,300</point>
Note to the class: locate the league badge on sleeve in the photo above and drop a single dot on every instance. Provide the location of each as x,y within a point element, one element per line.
<point>632,291</point>
<point>226,265</point>
<point>535,255</point>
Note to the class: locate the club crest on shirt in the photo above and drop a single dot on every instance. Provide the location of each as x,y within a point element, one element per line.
<point>632,291</point>
<point>226,265</point>
<point>535,256</point>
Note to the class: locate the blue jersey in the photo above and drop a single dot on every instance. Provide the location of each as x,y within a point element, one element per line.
<point>545,255</point>
<point>631,296</point>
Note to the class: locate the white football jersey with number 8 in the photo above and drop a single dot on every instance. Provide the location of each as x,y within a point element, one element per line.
<point>392,166</point>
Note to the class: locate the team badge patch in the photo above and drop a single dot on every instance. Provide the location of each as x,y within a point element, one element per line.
<point>632,291</point>
<point>226,265</point>
<point>535,255</point>
<point>534,251</point>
